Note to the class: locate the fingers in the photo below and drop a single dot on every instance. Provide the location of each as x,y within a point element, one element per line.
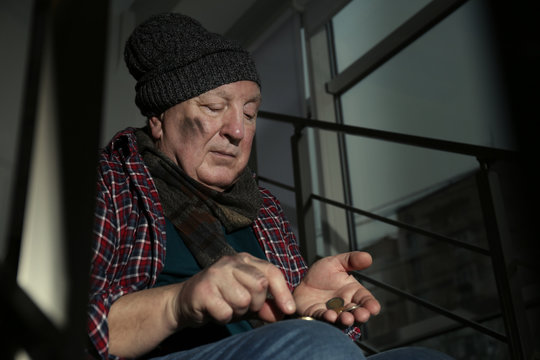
<point>371,305</point>
<point>275,295</point>
<point>347,318</point>
<point>253,287</point>
<point>235,286</point>
<point>280,292</point>
<point>361,311</point>
<point>361,306</point>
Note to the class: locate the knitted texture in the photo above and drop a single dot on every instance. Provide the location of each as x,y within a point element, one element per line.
<point>174,58</point>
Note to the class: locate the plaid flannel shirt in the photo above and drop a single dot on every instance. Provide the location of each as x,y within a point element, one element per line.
<point>130,240</point>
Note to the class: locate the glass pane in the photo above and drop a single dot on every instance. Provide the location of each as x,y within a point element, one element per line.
<point>435,191</point>
<point>445,85</point>
<point>450,277</point>
<point>363,23</point>
<point>385,176</point>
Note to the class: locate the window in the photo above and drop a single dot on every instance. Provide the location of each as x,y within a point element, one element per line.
<point>444,85</point>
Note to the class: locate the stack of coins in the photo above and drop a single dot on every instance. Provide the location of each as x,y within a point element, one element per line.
<point>338,305</point>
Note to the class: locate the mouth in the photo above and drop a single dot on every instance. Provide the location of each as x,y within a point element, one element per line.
<point>224,154</point>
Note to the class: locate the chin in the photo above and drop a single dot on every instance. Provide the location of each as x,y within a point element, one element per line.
<point>220,184</point>
<point>218,177</point>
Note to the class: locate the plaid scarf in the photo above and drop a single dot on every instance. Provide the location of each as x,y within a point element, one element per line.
<point>197,212</point>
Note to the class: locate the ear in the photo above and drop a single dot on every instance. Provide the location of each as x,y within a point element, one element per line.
<point>156,127</point>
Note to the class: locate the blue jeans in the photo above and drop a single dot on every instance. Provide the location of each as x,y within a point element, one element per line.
<point>295,340</point>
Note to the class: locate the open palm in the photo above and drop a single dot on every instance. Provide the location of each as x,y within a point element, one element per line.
<point>328,278</point>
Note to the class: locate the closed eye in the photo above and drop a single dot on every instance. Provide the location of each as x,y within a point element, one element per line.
<point>250,109</point>
<point>213,108</point>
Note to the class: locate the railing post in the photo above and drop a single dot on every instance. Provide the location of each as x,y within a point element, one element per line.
<point>295,150</point>
<point>309,251</point>
<point>80,42</point>
<point>504,263</point>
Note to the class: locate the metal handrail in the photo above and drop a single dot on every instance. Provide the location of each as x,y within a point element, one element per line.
<point>402,225</point>
<point>277,183</point>
<point>481,152</point>
<point>513,315</point>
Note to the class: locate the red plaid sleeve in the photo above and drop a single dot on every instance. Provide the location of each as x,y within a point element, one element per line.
<point>129,233</point>
<point>278,241</point>
<point>281,247</point>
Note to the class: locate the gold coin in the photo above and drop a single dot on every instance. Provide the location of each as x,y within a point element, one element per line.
<point>335,304</point>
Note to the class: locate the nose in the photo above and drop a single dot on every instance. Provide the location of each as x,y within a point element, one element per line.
<point>233,125</point>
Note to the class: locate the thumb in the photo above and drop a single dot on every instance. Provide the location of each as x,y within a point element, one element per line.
<point>355,260</point>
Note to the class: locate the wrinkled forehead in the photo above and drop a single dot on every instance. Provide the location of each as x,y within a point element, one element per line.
<point>247,91</point>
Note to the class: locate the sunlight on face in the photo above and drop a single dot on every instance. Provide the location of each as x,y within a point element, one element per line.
<point>210,136</point>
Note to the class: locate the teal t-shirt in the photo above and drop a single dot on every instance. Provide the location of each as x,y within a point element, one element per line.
<point>180,264</point>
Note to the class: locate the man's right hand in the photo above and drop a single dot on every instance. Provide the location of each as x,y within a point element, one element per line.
<point>234,287</point>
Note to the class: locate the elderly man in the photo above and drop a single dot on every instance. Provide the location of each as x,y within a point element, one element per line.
<point>190,255</point>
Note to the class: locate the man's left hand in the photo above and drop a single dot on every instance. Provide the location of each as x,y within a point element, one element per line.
<point>328,278</point>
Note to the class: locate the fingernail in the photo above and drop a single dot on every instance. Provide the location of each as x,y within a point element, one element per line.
<point>290,306</point>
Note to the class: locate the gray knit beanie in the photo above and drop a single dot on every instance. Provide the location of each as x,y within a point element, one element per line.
<point>173,58</point>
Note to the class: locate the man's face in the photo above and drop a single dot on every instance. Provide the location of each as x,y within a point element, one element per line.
<point>210,136</point>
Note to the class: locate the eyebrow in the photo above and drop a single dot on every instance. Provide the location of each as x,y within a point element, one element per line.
<point>226,95</point>
<point>256,98</point>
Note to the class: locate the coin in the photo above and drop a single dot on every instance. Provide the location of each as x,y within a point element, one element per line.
<point>351,308</point>
<point>335,304</point>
